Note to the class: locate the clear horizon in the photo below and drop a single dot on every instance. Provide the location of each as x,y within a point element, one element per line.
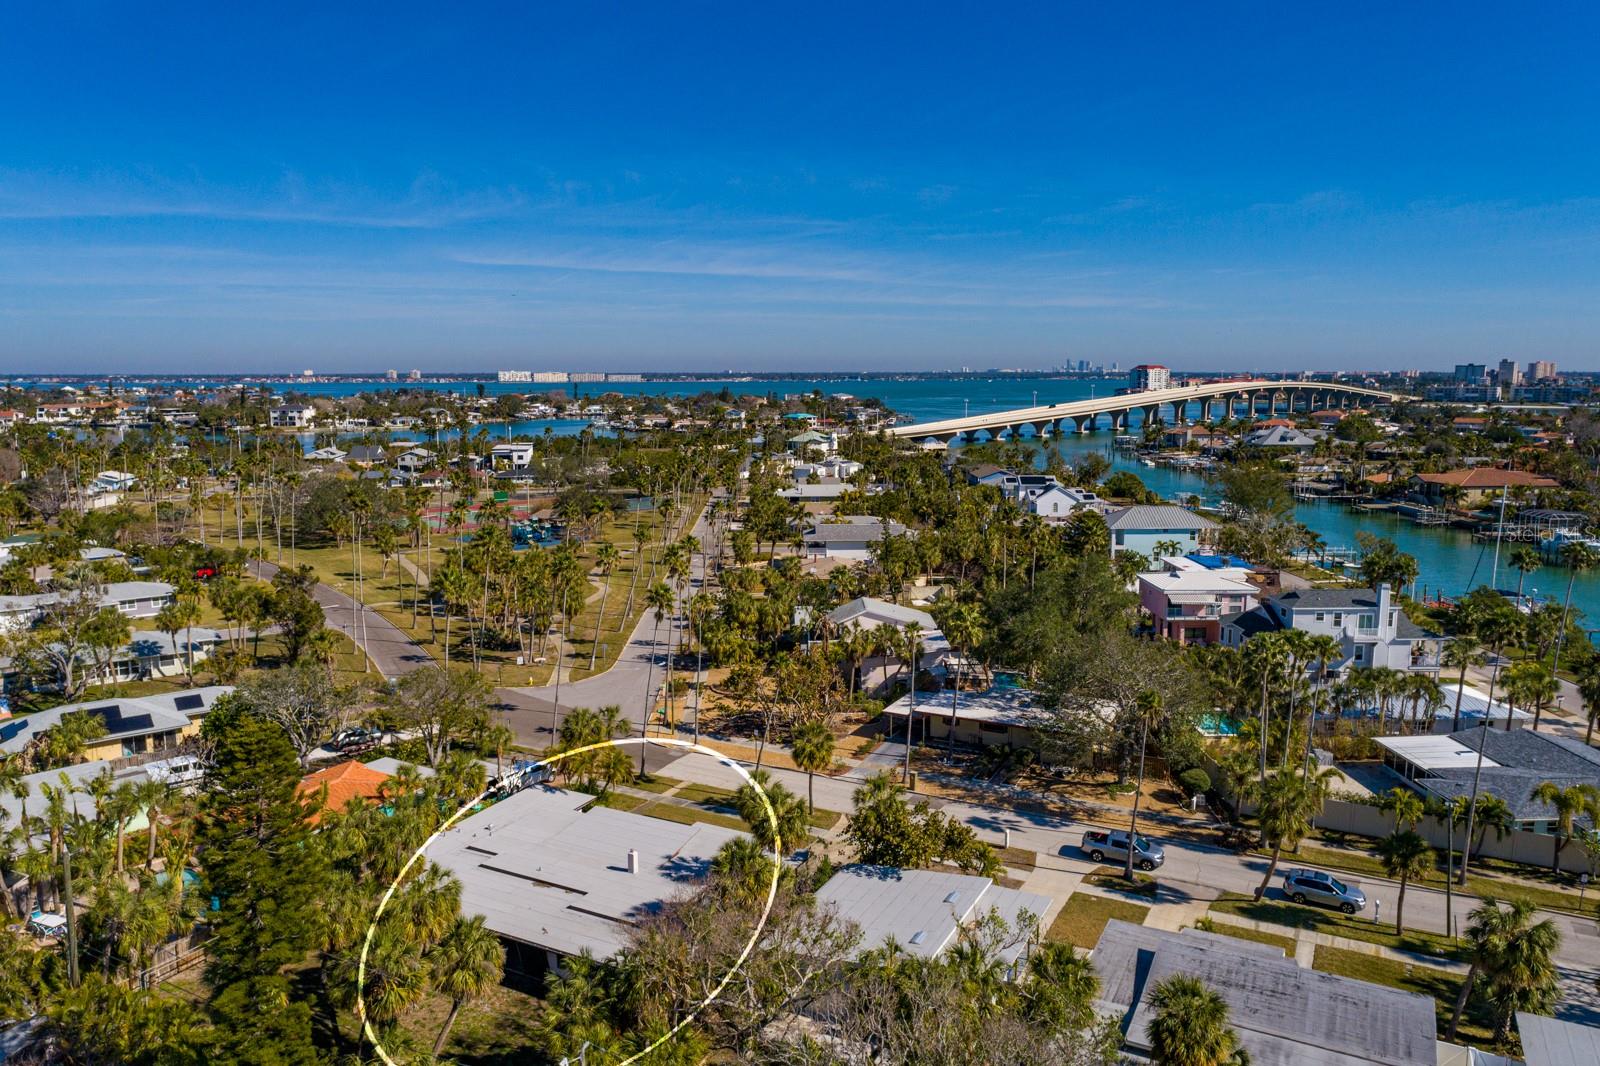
<point>900,189</point>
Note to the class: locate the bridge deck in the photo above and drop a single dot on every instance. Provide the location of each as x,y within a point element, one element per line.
<point>1022,416</point>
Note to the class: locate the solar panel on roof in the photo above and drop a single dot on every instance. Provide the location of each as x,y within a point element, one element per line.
<point>190,702</point>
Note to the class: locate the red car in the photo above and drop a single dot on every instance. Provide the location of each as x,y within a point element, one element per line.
<point>205,573</point>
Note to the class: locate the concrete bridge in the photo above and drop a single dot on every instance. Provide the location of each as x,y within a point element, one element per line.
<point>1222,399</point>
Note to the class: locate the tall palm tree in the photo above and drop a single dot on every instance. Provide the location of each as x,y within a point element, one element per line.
<point>962,625</point>
<point>1497,628</point>
<point>658,597</point>
<point>1579,557</point>
<point>1524,559</point>
<point>1462,653</point>
<point>1568,803</point>
<point>1190,1027</point>
<point>605,559</point>
<point>1289,803</point>
<point>1589,691</point>
<point>813,752</point>
<point>466,964</point>
<point>1148,705</point>
<point>1530,684</point>
<point>1405,855</point>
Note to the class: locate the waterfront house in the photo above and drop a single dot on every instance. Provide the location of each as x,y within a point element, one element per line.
<point>1370,627</point>
<point>366,455</point>
<point>1143,526</point>
<point>1474,486</point>
<point>326,455</point>
<point>1188,599</point>
<point>1057,503</point>
<point>1285,437</point>
<point>293,416</point>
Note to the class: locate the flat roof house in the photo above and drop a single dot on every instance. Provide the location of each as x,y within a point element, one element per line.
<point>923,911</point>
<point>134,725</point>
<point>511,456</point>
<point>554,875</point>
<point>293,416</point>
<point>999,716</point>
<point>1141,527</point>
<point>1187,601</point>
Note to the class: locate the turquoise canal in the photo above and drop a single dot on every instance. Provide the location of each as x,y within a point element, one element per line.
<point>1451,562</point>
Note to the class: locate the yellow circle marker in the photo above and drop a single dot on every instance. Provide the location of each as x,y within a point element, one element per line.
<point>766,911</point>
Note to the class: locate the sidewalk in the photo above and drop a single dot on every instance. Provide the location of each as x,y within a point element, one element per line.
<point>1307,941</point>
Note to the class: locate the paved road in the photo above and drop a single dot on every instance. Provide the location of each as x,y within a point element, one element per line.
<point>1195,870</point>
<point>641,666</point>
<point>391,651</point>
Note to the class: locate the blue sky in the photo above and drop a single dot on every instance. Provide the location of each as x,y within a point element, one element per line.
<point>740,186</point>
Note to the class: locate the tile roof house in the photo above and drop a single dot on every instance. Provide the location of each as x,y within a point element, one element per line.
<point>344,782</point>
<point>1475,485</point>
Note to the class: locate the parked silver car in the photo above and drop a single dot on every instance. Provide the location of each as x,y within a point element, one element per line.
<point>1103,844</point>
<point>1314,886</point>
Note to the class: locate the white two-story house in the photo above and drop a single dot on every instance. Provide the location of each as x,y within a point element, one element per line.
<point>1371,628</point>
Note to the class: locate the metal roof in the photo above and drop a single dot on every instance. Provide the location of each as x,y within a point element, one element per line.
<point>1552,1042</point>
<point>1162,517</point>
<point>921,910</point>
<point>1434,752</point>
<point>546,869</point>
<point>1514,763</point>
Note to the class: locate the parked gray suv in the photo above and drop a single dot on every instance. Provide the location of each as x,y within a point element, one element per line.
<point>1314,886</point>
<point>1103,844</point>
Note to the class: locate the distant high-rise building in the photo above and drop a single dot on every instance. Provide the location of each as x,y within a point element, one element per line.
<point>391,375</point>
<point>1149,376</point>
<point>586,376</point>
<point>1542,370</point>
<point>549,377</point>
<point>1509,373</point>
<point>415,375</point>
<point>1471,373</point>
<point>514,375</point>
<point>624,377</point>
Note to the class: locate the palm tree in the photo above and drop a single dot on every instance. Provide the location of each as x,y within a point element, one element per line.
<point>1589,691</point>
<point>1190,1025</point>
<point>787,810</point>
<point>466,964</point>
<point>813,752</point>
<point>742,868</point>
<point>605,558</point>
<point>1405,855</point>
<point>1513,955</point>
<point>1568,803</point>
<point>1524,559</point>
<point>1289,802</point>
<point>1579,557</point>
<point>1529,684</point>
<point>1497,628</point>
<point>1406,806</point>
<point>1149,706</point>
<point>963,627</point>
<point>179,615</point>
<point>657,597</point>
<point>1462,653</point>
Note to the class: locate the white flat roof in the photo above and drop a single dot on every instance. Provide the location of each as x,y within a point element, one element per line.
<point>1434,752</point>
<point>545,872</point>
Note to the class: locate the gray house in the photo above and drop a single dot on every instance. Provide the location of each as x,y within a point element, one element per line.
<point>1370,627</point>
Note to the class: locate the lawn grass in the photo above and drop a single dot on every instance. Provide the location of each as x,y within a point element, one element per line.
<point>698,793</point>
<point>688,815</point>
<point>1318,920</point>
<point>1084,918</point>
<point>657,783</point>
<point>1549,897</point>
<point>621,801</point>
<point>1259,936</point>
<point>824,819</point>
<point>1441,986</point>
<point>1018,858</point>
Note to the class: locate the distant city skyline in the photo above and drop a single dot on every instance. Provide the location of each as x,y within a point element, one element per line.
<point>646,189</point>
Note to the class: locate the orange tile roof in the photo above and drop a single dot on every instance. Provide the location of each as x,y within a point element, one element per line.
<point>1489,477</point>
<point>345,781</point>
